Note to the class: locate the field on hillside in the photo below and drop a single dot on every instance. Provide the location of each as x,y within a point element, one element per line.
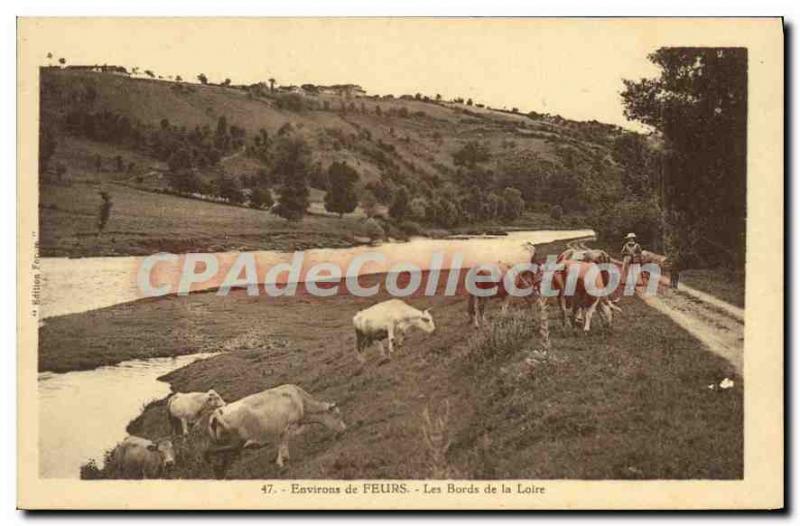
<point>630,403</point>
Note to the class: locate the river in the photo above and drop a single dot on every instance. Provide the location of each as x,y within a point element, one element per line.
<point>82,414</point>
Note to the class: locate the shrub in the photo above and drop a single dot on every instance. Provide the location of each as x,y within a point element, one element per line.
<point>261,198</point>
<point>374,230</point>
<point>556,212</point>
<point>411,228</point>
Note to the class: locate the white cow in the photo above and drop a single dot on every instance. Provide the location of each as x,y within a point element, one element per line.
<point>269,416</point>
<point>388,320</point>
<point>139,458</point>
<point>187,408</point>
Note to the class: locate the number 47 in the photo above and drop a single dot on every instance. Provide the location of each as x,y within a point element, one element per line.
<point>266,488</point>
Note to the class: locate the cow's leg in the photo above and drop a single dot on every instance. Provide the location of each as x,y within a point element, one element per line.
<point>607,313</point>
<point>390,337</point>
<point>504,308</point>
<point>587,323</point>
<point>472,310</point>
<point>562,303</point>
<point>398,339</point>
<point>283,447</point>
<point>482,303</point>
<point>360,347</point>
<point>383,351</point>
<point>185,426</point>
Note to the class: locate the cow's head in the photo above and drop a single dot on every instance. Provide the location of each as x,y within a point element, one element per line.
<point>213,400</point>
<point>332,418</point>
<point>166,450</point>
<point>425,321</point>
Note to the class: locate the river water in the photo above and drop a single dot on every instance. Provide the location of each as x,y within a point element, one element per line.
<point>82,414</point>
<point>82,284</point>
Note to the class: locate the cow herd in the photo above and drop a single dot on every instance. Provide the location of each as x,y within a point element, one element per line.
<point>277,414</point>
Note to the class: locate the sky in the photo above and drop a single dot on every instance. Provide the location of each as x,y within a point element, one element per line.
<point>573,68</point>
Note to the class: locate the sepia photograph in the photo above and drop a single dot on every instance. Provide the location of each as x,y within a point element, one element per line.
<point>400,263</point>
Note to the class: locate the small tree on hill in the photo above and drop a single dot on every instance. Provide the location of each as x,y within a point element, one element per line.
<point>261,198</point>
<point>471,154</point>
<point>226,82</point>
<point>513,204</point>
<point>202,78</point>
<point>341,197</point>
<point>292,164</point>
<point>400,205</point>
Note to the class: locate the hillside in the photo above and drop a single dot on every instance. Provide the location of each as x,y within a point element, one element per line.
<point>461,164</point>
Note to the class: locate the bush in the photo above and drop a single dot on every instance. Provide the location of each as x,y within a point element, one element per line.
<point>556,212</point>
<point>261,198</point>
<point>373,230</point>
<point>411,228</point>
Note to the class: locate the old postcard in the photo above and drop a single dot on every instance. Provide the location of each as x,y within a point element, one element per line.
<point>486,263</point>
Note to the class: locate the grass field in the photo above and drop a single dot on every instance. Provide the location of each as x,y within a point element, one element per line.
<point>630,403</point>
<point>723,284</point>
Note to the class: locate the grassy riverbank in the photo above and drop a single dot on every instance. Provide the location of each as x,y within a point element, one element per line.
<point>630,403</point>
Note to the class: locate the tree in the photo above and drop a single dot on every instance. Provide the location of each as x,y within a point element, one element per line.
<point>226,82</point>
<point>400,205</point>
<point>261,198</point>
<point>699,104</point>
<point>513,204</point>
<point>374,230</point>
<point>178,78</point>
<point>228,188</point>
<point>149,73</point>
<point>62,61</point>
<point>291,164</point>
<point>471,154</point>
<point>369,203</point>
<point>271,85</point>
<point>202,78</point>
<point>341,198</point>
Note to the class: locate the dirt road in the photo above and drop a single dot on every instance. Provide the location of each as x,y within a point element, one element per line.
<point>717,324</point>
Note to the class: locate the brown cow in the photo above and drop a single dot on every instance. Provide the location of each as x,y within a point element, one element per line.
<point>581,299</point>
<point>476,305</point>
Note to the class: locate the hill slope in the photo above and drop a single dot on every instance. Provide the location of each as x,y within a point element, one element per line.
<point>113,130</point>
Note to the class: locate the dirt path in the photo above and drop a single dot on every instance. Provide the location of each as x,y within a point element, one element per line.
<point>719,325</point>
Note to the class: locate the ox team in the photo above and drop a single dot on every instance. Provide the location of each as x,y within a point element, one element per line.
<point>275,415</point>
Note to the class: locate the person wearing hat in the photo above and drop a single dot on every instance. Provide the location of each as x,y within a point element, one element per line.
<point>631,253</point>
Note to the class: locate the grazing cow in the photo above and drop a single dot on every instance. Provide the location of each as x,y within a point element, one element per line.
<point>269,416</point>
<point>388,320</point>
<point>139,458</point>
<point>651,258</point>
<point>581,299</point>
<point>476,305</point>
<point>184,409</point>
<point>589,255</point>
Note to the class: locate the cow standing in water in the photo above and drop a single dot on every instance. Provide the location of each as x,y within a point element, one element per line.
<point>388,320</point>
<point>270,416</point>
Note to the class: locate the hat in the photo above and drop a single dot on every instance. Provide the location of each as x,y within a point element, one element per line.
<point>630,235</point>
